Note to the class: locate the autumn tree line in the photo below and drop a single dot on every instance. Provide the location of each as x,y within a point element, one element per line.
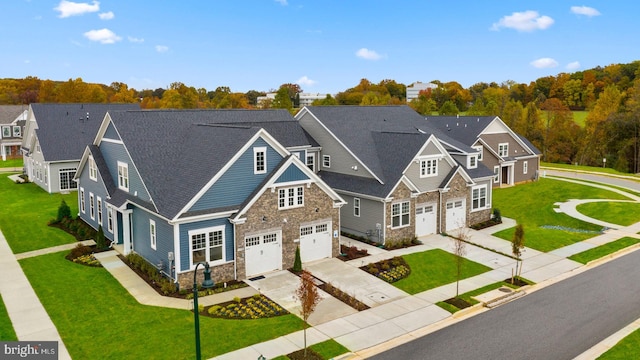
<point>541,111</point>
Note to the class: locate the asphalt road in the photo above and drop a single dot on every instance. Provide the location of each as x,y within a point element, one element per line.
<point>634,185</point>
<point>558,322</point>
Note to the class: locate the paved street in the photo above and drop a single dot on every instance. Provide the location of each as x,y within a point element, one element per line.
<point>557,322</point>
<point>615,181</point>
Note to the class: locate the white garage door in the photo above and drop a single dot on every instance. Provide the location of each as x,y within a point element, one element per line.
<point>263,253</point>
<point>456,214</point>
<point>315,241</point>
<point>425,220</point>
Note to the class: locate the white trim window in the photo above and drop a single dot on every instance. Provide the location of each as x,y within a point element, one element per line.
<point>260,160</point>
<point>207,245</point>
<point>356,207</point>
<point>66,178</point>
<point>503,149</point>
<point>473,162</point>
<point>400,214</point>
<point>311,162</point>
<point>92,208</point>
<point>93,170</point>
<point>428,168</point>
<point>123,176</point>
<point>525,167</point>
<point>110,218</point>
<point>496,173</point>
<point>326,161</point>
<point>99,202</point>
<point>480,151</point>
<point>152,233</point>
<point>290,197</point>
<point>82,207</point>
<point>479,197</point>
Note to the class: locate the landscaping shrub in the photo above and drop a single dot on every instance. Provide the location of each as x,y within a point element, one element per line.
<point>78,251</point>
<point>64,211</point>
<point>260,307</point>
<point>101,241</point>
<point>496,215</point>
<point>297,263</point>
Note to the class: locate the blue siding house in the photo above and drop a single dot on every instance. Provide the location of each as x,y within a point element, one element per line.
<point>228,187</point>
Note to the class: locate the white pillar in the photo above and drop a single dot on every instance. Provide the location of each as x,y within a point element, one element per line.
<point>126,231</point>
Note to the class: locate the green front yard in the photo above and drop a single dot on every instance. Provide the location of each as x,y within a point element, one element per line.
<point>96,315</point>
<point>6,330</point>
<point>24,214</point>
<point>434,268</point>
<point>12,163</point>
<point>619,213</point>
<point>603,250</point>
<point>532,205</point>
<point>626,349</point>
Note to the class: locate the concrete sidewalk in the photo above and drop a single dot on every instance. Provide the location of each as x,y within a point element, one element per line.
<point>29,318</point>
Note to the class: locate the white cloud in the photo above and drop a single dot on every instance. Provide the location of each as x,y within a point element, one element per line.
<point>544,63</point>
<point>585,10</point>
<point>573,65</point>
<point>282,2</point>
<point>69,8</point>
<point>106,16</point>
<point>305,81</point>
<point>134,39</point>
<point>103,36</point>
<point>162,48</point>
<point>524,21</point>
<point>368,54</point>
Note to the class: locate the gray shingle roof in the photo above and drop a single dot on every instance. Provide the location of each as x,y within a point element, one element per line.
<point>8,113</point>
<point>465,129</point>
<point>61,133</point>
<point>178,151</point>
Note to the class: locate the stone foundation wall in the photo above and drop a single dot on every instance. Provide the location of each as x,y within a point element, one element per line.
<point>401,194</point>
<point>219,274</point>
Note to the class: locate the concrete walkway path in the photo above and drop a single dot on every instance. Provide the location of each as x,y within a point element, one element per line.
<point>29,318</point>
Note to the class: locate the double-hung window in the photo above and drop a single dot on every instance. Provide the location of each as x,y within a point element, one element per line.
<point>326,161</point>
<point>123,176</point>
<point>428,167</point>
<point>479,148</point>
<point>503,149</point>
<point>93,170</point>
<point>356,207</point>
<point>479,197</point>
<point>99,202</point>
<point>290,197</point>
<point>92,208</point>
<point>207,245</point>
<point>152,233</point>
<point>525,167</point>
<point>259,160</point>
<point>82,199</point>
<point>310,162</point>
<point>496,173</point>
<point>400,214</point>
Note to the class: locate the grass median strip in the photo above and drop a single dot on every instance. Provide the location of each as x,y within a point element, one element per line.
<point>96,315</point>
<point>620,213</point>
<point>434,268</point>
<point>468,296</point>
<point>6,329</point>
<point>603,250</point>
<point>625,349</point>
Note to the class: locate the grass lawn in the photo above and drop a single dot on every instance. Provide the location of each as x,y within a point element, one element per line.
<point>96,315</point>
<point>603,250</point>
<point>580,117</point>
<point>468,296</point>
<point>627,348</point>
<point>620,213</point>
<point>434,268</point>
<point>532,205</point>
<point>6,329</point>
<point>12,163</point>
<point>327,349</point>
<point>588,168</point>
<point>26,209</point>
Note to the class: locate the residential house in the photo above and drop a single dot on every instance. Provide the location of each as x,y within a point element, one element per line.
<point>54,138</point>
<point>183,187</point>
<point>397,175</point>
<point>512,157</point>
<point>12,120</point>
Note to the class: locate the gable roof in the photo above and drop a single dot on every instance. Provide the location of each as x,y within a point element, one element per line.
<point>178,153</point>
<point>64,130</point>
<point>9,113</point>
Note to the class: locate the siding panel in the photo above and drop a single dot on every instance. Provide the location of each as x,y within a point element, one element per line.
<point>185,241</point>
<point>113,153</point>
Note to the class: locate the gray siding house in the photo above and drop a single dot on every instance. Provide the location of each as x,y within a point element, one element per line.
<point>400,177</point>
<point>12,121</point>
<point>183,187</point>
<point>54,138</point>
<point>512,157</point>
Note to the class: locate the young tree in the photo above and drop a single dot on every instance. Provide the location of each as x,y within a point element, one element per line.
<point>297,262</point>
<point>309,298</point>
<point>517,244</point>
<point>460,250</point>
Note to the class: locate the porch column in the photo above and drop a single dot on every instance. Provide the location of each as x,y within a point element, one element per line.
<point>126,231</point>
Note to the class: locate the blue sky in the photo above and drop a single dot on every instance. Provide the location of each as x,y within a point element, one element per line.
<point>325,46</point>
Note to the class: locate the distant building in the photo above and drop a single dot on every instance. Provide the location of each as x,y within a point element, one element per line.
<point>307,99</point>
<point>414,89</point>
<point>268,98</point>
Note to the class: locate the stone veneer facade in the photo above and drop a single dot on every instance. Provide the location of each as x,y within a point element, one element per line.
<point>288,221</point>
<point>219,274</point>
<point>401,194</point>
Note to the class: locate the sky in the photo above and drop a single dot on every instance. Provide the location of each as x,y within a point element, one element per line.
<point>324,46</point>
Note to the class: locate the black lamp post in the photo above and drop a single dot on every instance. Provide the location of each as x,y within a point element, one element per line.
<point>207,283</point>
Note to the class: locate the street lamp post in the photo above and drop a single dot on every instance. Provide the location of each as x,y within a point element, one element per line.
<point>207,283</point>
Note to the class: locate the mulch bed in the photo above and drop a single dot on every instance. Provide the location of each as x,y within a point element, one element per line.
<point>351,252</point>
<point>337,293</point>
<point>516,282</point>
<point>459,303</point>
<point>299,355</point>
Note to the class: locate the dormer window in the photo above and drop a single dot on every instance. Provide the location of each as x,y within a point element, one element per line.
<point>479,148</point>
<point>123,176</point>
<point>260,160</point>
<point>503,149</point>
<point>472,161</point>
<point>428,167</point>
<point>93,170</point>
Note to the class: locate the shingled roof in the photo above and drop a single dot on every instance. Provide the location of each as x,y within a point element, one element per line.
<point>65,130</point>
<point>178,152</point>
<point>8,113</point>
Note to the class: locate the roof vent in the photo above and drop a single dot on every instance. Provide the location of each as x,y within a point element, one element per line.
<point>457,116</point>
<point>478,119</point>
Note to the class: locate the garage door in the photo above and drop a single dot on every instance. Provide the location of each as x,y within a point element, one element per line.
<point>456,214</point>
<point>315,241</point>
<point>425,220</point>
<point>263,253</point>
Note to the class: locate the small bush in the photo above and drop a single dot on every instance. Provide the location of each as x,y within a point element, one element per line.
<point>79,251</point>
<point>236,299</point>
<point>297,263</point>
<point>496,215</point>
<point>167,286</point>
<point>64,211</point>
<point>101,241</point>
<point>212,310</point>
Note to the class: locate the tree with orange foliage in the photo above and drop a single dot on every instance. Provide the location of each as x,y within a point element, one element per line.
<point>309,298</point>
